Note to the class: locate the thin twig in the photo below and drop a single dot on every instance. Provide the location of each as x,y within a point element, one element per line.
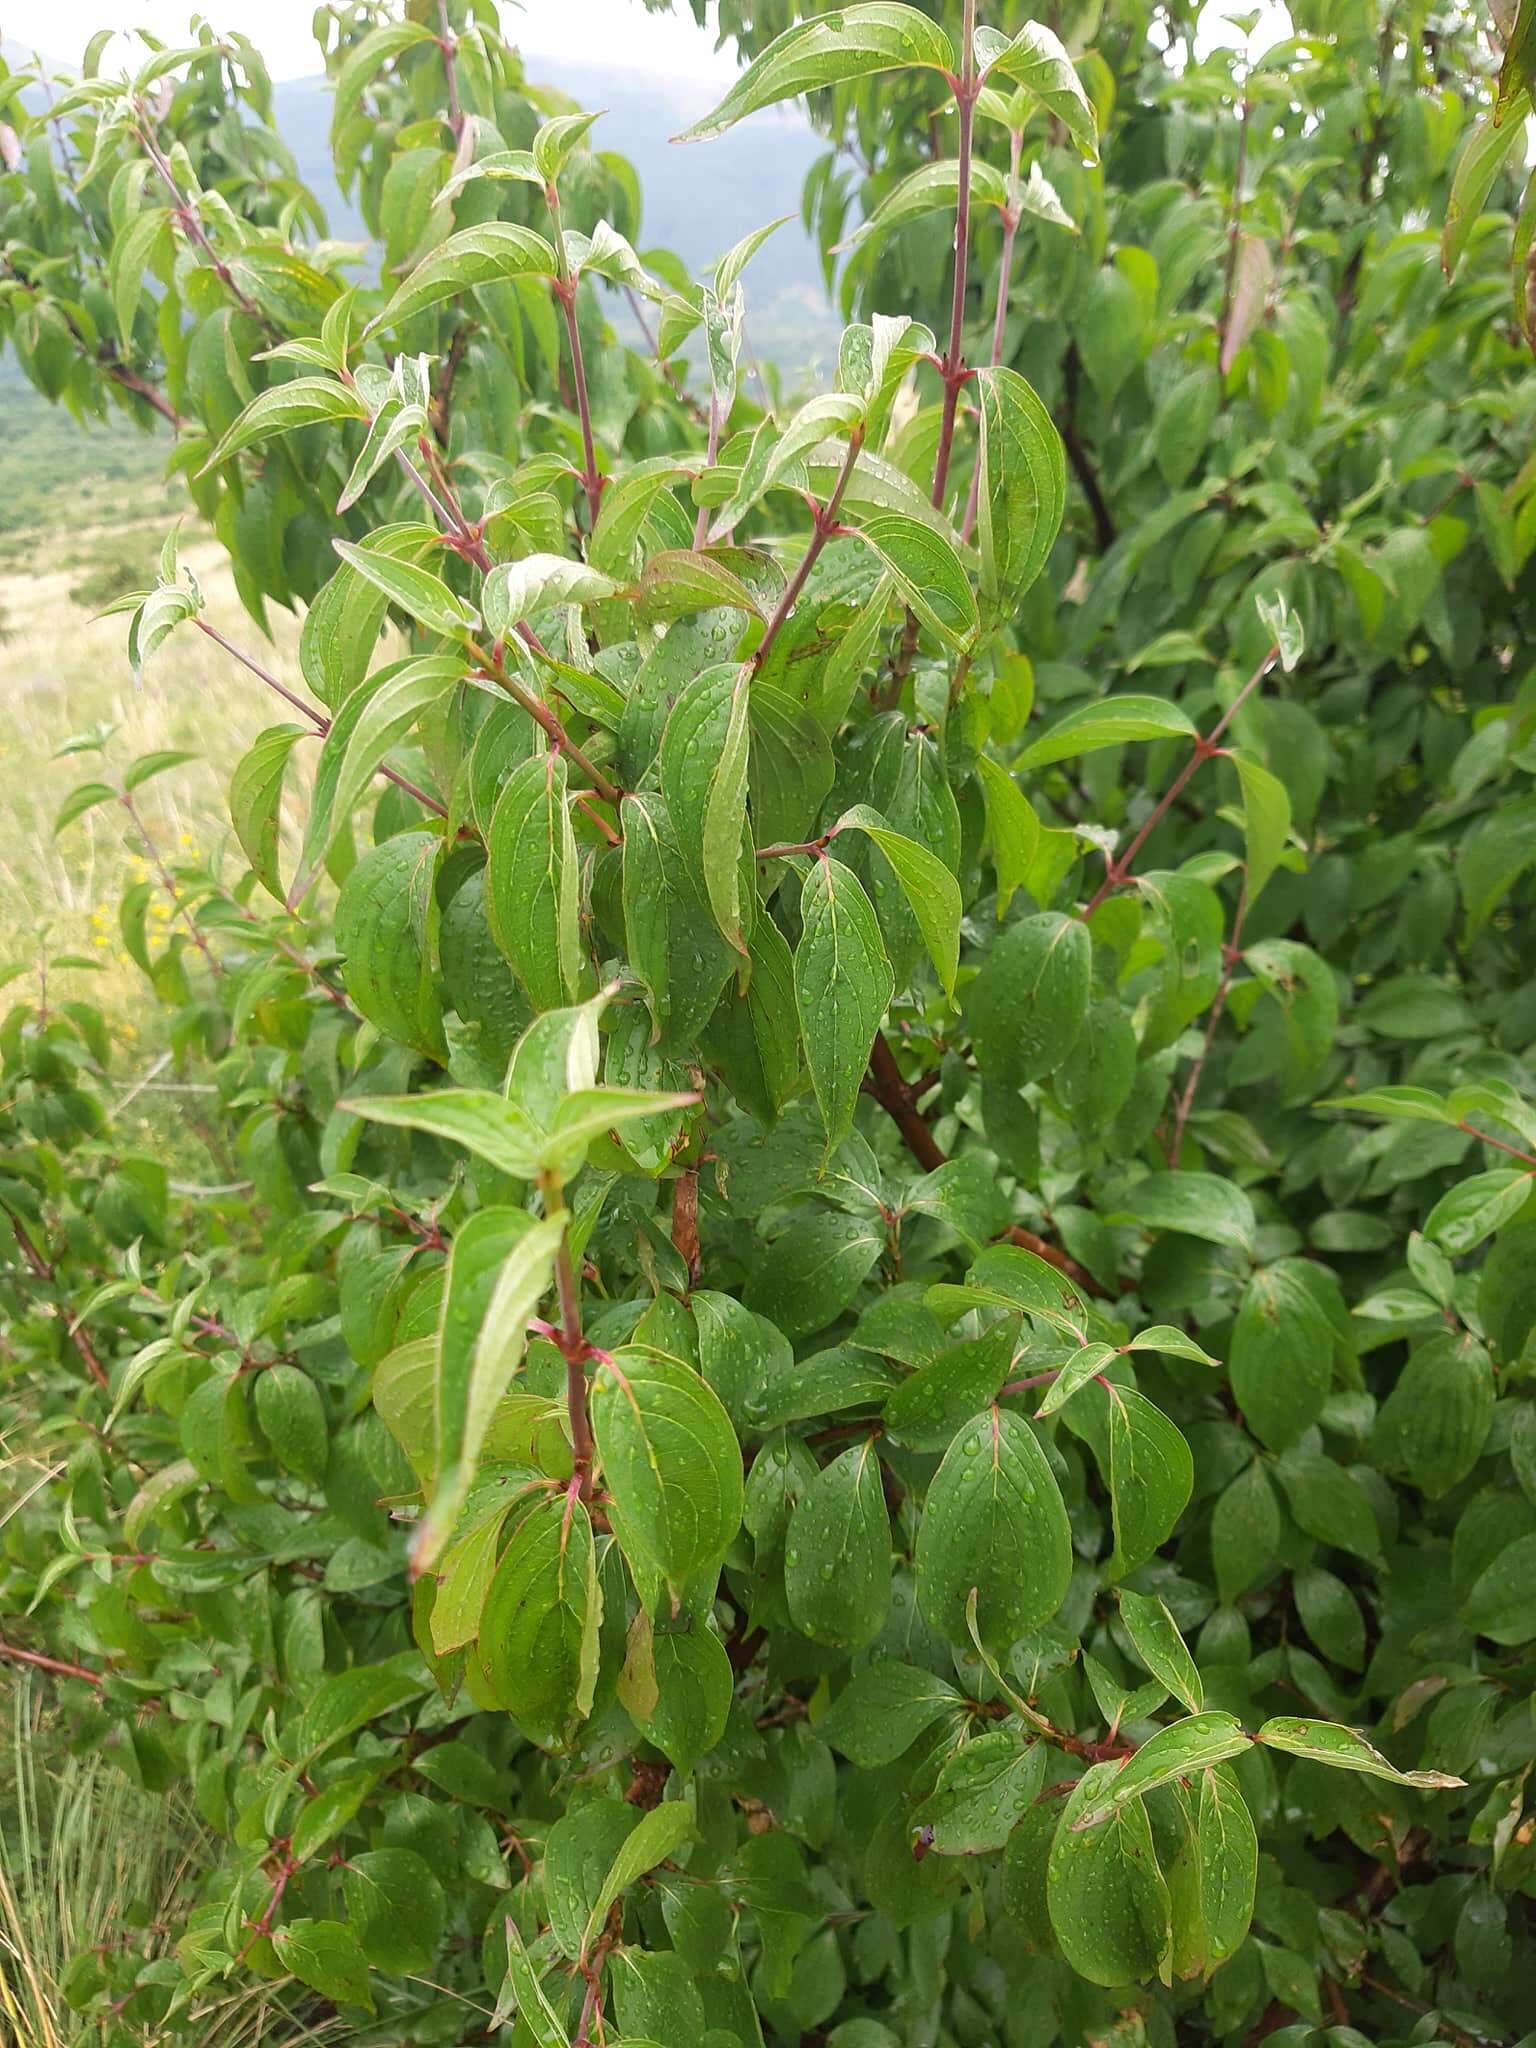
<point>178,904</point>
<point>1231,953</point>
<point>58,1664</point>
<point>1000,318</point>
<point>1206,744</point>
<point>826,525</point>
<point>47,1272</point>
<point>316,717</point>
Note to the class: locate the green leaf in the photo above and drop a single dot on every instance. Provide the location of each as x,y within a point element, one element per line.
<point>421,595</point>
<point>1280,1355</point>
<point>366,59</point>
<point>931,188</point>
<point>1027,1005</point>
<point>385,922</point>
<point>659,1832</point>
<point>984,1790</point>
<point>704,764</point>
<point>929,887</point>
<point>854,42</point>
<point>1328,1502</point>
<point>1023,490</point>
<point>882,1711</point>
<point>843,984</point>
<point>513,591</point>
<point>325,1955</point>
<point>1196,1204</point>
<point>533,881</point>
<point>925,1411</point>
<point>1172,1343</point>
<point>1266,819</point>
<point>1156,1640</point>
<point>1488,144</point>
<point>813,1270</point>
<point>534,2011</point>
<point>348,1700</point>
<point>372,721</point>
<point>292,1417</point>
<point>1418,1105</point>
<point>501,1265</point>
<point>837,1554</point>
<point>484,1123</point>
<point>994,1521</point>
<point>554,140</point>
<point>1324,1742</point>
<point>1475,1208</point>
<point>1492,857</point>
<point>1012,828</point>
<point>1178,1751</point>
<point>495,252</point>
<point>1108,1902</point>
<point>1036,59</point>
<point>928,572</point>
<point>397,1906</point>
<point>1151,1476</point>
<point>538,1646</point>
<point>1109,722</point>
<point>1245,1531</point>
<point>1228,1856</point>
<point>670,1460</point>
<point>282,408</point>
<point>1085,1364</point>
<point>685,1709</point>
<point>255,800</point>
<point>1433,1425</point>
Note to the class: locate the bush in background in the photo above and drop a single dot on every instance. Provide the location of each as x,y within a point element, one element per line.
<point>861,1374</point>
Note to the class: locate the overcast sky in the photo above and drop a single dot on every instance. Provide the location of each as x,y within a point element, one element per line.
<point>619,32</point>
<point>605,31</point>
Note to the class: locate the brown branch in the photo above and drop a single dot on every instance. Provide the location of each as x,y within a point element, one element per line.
<point>572,1344</point>
<point>60,1665</point>
<point>685,1222</point>
<point>952,367</point>
<point>1081,461</point>
<point>46,1271</point>
<point>899,1102</point>
<point>442,392</point>
<point>895,1098</point>
<point>447,43</point>
<point>1064,1263</point>
<point>141,388</point>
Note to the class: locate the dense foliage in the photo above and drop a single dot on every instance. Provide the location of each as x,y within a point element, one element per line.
<point>864,1375</point>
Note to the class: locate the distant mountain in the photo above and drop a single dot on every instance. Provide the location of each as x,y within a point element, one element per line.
<point>699,198</point>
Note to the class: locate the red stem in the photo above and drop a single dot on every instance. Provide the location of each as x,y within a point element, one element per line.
<point>1119,871</point>
<point>1230,956</point>
<point>1000,318</point>
<point>58,1664</point>
<point>826,522</point>
<point>316,717</point>
<point>47,1271</point>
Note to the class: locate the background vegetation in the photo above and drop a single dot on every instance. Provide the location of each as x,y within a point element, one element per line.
<point>802,1310</point>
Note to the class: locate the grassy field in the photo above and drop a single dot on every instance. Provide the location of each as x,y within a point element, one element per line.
<point>84,515</point>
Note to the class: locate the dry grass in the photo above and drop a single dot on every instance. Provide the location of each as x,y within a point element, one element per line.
<point>63,672</point>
